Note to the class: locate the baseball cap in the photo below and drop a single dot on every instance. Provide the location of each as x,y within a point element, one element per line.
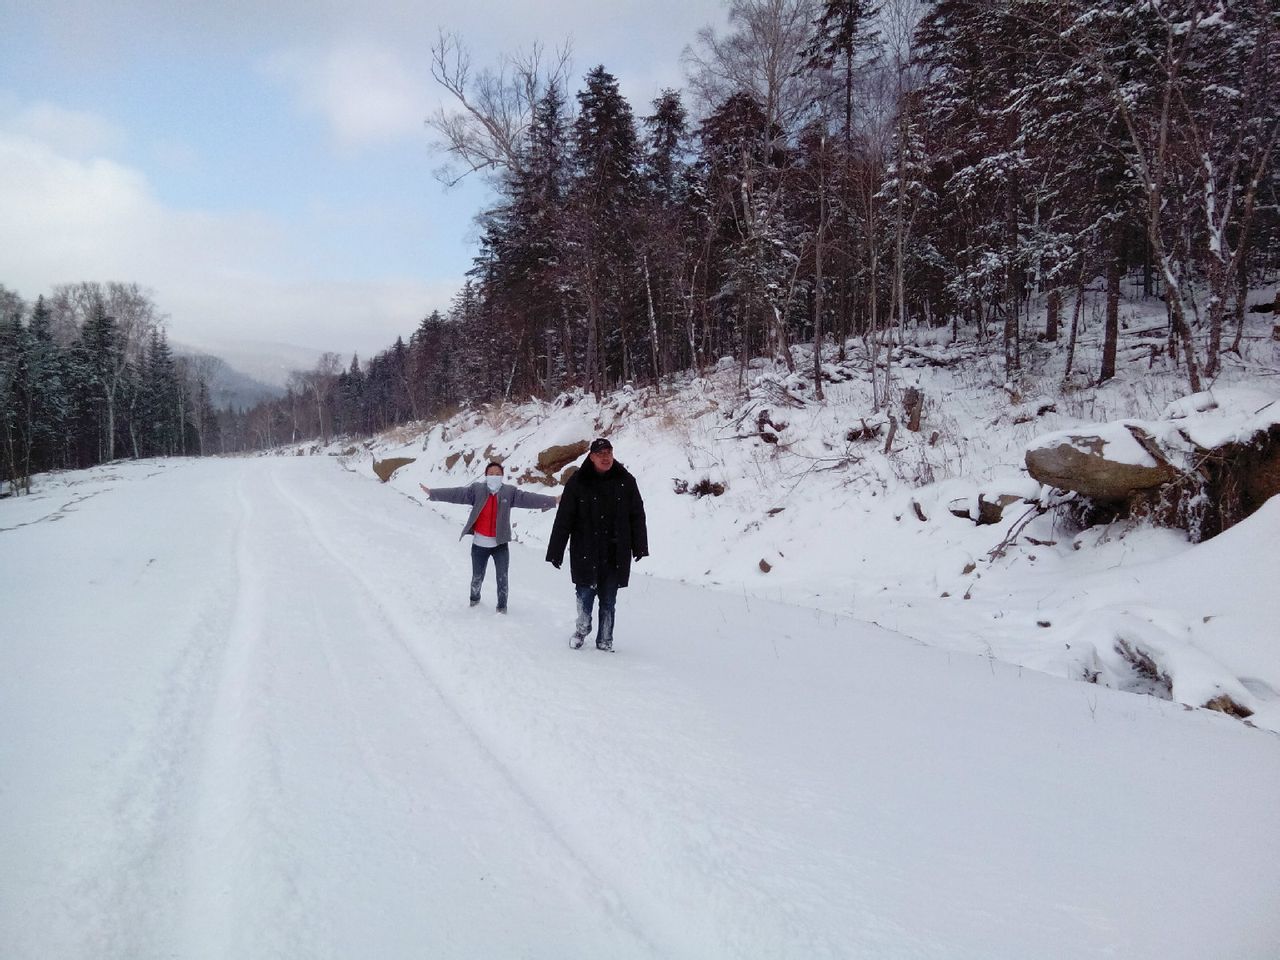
<point>600,443</point>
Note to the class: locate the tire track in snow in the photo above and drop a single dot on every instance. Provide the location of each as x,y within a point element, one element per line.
<point>127,877</point>
<point>233,841</point>
<point>398,630</point>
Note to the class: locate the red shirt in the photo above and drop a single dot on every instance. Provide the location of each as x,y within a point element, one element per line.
<point>487,522</point>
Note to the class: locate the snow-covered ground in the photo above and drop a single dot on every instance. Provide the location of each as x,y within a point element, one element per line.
<point>812,518</point>
<point>246,712</point>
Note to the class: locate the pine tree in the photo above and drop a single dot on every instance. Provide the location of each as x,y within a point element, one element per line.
<point>159,408</point>
<point>525,287</point>
<point>665,255</point>
<point>14,389</point>
<point>605,197</point>
<point>98,366</point>
<point>50,403</point>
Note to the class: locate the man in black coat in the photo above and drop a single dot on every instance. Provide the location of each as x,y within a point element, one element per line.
<point>601,519</point>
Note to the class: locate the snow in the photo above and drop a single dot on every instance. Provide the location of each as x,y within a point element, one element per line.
<point>248,713</point>
<point>1111,441</point>
<point>1189,426</point>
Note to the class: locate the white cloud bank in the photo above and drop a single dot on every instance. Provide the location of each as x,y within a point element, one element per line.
<point>366,92</point>
<point>220,276</point>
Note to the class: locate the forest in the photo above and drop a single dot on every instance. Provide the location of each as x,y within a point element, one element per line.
<point>834,172</point>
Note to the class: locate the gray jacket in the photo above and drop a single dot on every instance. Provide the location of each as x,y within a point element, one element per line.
<point>478,493</point>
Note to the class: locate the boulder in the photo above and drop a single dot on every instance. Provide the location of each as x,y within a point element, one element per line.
<point>989,502</point>
<point>1112,463</point>
<point>555,458</point>
<point>992,510</point>
<point>385,468</point>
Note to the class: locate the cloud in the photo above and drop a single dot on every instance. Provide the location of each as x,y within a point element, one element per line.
<point>72,132</point>
<point>239,275</point>
<point>366,92</point>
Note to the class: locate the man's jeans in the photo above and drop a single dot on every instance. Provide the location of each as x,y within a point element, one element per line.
<point>607,590</point>
<point>480,560</point>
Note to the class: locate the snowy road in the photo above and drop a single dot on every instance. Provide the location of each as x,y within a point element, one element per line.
<point>246,712</point>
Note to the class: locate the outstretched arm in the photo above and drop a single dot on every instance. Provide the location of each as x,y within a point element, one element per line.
<point>533,501</point>
<point>447,494</point>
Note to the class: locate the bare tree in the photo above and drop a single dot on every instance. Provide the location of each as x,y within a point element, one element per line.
<point>760,55</point>
<point>1197,163</point>
<point>485,130</point>
<point>318,383</point>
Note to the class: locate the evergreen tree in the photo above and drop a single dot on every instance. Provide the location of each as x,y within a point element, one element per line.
<point>605,197</point>
<point>163,429</point>
<point>667,254</point>
<point>14,390</point>
<point>97,366</point>
<point>47,416</point>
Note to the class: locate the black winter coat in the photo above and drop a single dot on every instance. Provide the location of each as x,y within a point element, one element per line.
<point>601,519</point>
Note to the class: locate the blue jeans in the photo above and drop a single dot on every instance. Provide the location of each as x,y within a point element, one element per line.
<point>480,560</point>
<point>607,590</point>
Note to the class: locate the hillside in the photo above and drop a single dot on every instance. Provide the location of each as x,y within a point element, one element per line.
<point>809,509</point>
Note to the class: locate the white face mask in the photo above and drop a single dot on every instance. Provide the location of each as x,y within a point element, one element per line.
<point>493,483</point>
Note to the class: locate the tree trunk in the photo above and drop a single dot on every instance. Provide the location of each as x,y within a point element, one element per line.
<point>1111,331</point>
<point>653,323</point>
<point>817,297</point>
<point>1075,324</point>
<point>1242,296</point>
<point>1053,310</point>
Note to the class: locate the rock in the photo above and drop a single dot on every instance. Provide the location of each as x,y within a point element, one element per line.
<point>529,476</point>
<point>385,468</point>
<point>1101,465</point>
<point>568,472</point>
<point>988,504</point>
<point>765,565</point>
<point>992,510</point>
<point>1224,704</point>
<point>451,460</point>
<point>554,458</point>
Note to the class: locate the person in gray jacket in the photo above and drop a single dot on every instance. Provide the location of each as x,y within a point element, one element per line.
<point>489,523</point>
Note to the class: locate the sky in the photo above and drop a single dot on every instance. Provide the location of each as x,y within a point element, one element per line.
<point>265,168</point>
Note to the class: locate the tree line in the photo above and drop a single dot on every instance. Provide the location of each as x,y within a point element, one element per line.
<point>87,375</point>
<point>836,172</point>
<point>842,170</point>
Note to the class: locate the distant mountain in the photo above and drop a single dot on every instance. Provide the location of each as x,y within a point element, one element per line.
<point>244,372</point>
<point>229,387</point>
<point>265,362</point>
